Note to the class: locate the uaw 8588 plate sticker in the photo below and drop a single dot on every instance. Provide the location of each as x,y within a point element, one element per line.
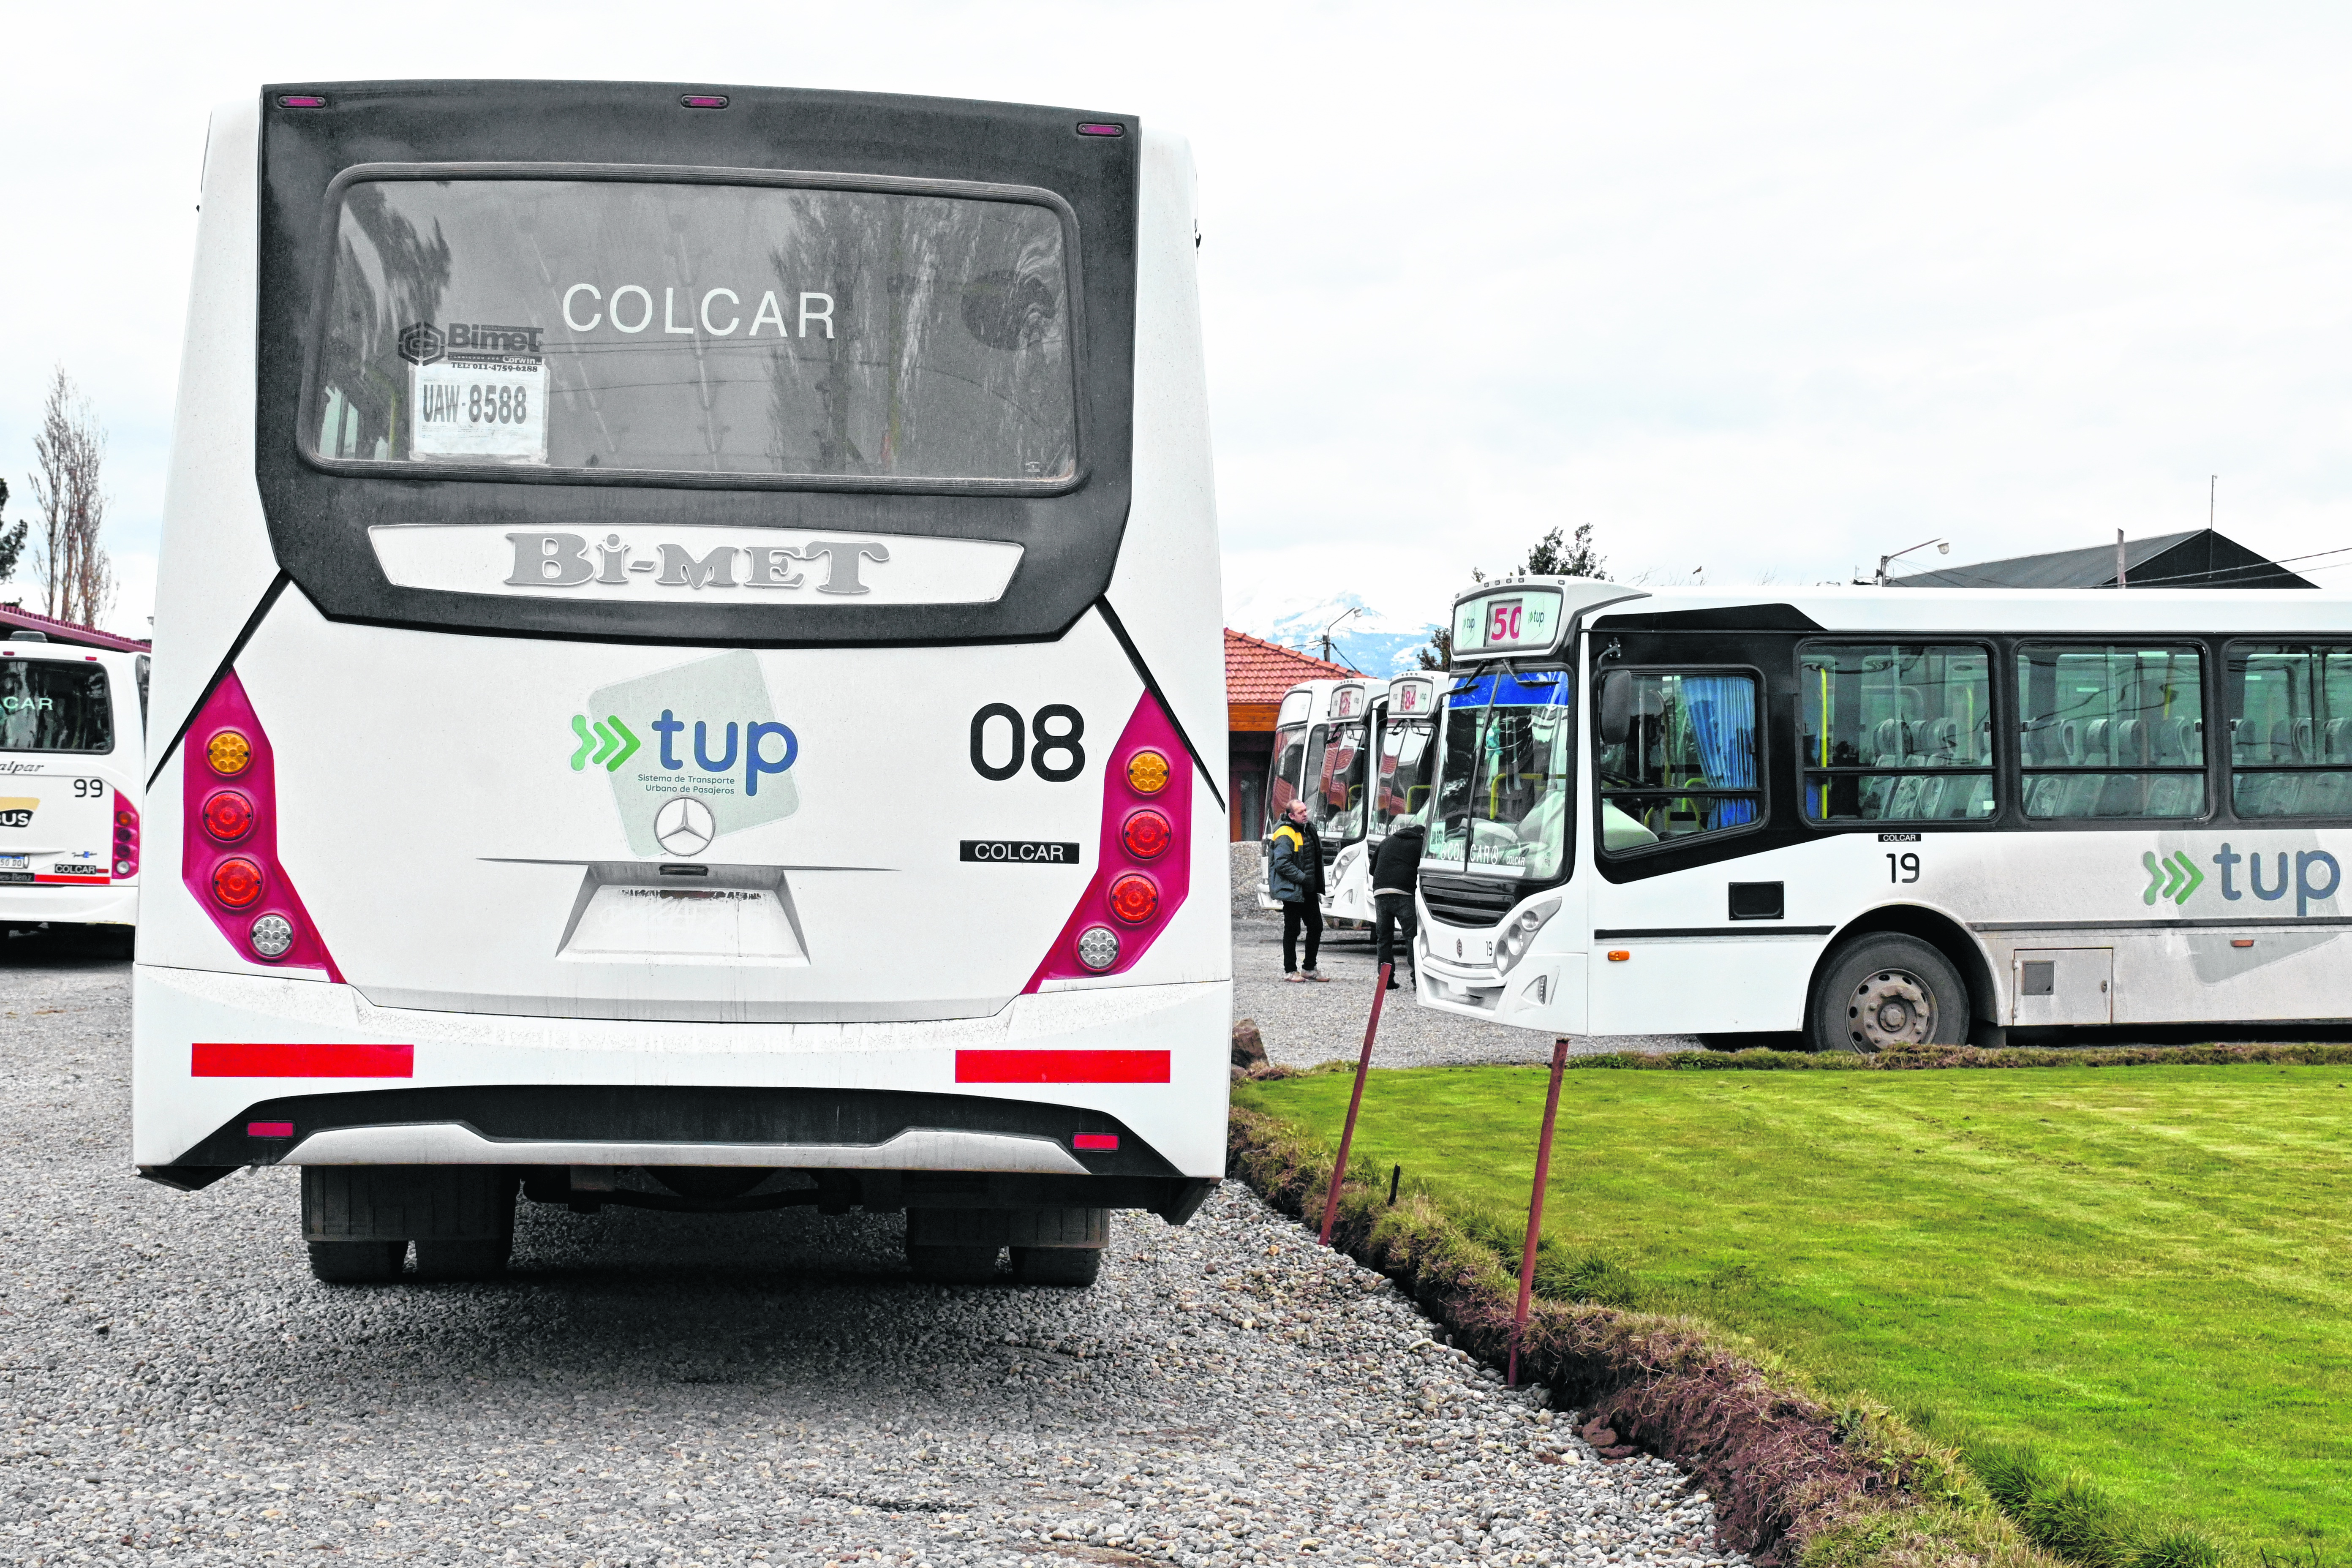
<point>475,391</point>
<point>694,753</point>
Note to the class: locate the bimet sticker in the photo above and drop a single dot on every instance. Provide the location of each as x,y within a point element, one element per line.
<point>694,753</point>
<point>487,401</point>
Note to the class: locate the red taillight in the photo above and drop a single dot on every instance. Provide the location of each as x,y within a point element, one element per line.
<point>227,815</point>
<point>1145,871</point>
<point>126,836</point>
<point>1146,835</point>
<point>1134,900</point>
<point>229,837</point>
<point>1106,1142</point>
<point>236,882</point>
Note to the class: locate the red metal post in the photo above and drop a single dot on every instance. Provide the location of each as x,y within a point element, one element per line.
<point>1534,1210</point>
<point>1355,1103</point>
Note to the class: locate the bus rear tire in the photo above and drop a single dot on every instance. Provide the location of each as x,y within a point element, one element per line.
<point>1887,992</point>
<point>1075,1265</point>
<point>357,1262</point>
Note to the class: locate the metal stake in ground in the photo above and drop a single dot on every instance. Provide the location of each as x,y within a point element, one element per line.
<point>1535,1209</point>
<point>1355,1103</point>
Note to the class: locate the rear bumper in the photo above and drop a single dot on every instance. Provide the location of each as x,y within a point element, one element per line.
<point>69,904</point>
<point>233,1069</point>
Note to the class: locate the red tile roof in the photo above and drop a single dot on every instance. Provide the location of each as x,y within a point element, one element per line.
<point>13,616</point>
<point>1258,671</point>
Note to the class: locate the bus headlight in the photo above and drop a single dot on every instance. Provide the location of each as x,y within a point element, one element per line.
<point>1522,934</point>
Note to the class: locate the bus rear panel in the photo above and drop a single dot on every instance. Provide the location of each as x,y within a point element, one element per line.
<point>692,626</point>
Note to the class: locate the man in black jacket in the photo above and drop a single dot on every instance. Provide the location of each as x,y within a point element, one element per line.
<point>1295,878</point>
<point>1392,876</point>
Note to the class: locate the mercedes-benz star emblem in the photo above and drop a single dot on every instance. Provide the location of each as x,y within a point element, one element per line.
<point>684,826</point>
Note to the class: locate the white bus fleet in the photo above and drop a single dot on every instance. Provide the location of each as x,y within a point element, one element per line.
<point>72,722</point>
<point>1355,749</point>
<point>692,620</point>
<point>1869,818</point>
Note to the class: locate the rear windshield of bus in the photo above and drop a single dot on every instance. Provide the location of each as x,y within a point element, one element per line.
<point>47,705</point>
<point>769,332</point>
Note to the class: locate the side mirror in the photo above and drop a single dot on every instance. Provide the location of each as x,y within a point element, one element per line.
<point>1616,707</point>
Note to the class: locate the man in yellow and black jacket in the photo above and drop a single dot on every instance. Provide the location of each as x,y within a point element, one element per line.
<point>1294,877</point>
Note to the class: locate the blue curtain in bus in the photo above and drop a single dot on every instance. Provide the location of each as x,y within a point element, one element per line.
<point>1722,709</point>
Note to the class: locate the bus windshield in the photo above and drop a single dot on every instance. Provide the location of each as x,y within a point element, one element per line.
<point>1403,788</point>
<point>1282,779</point>
<point>46,705</point>
<point>611,326</point>
<point>1336,805</point>
<point>1503,775</point>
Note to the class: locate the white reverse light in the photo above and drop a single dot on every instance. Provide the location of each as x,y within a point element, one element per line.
<point>272,935</point>
<point>1098,947</point>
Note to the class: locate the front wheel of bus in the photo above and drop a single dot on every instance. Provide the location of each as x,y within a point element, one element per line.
<point>1887,991</point>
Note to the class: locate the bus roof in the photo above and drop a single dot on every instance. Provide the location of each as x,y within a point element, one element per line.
<point>1909,612</point>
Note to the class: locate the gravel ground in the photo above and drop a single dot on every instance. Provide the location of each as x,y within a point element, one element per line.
<point>1303,1025</point>
<point>656,1390</point>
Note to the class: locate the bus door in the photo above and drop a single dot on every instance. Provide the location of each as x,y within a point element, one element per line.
<point>1678,760</point>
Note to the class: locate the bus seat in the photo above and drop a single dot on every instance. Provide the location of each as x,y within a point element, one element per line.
<point>2172,794</point>
<point>2336,741</point>
<point>2326,794</point>
<point>2301,733</point>
<point>2120,795</point>
<point>2131,740</point>
<point>2070,743</point>
<point>2096,736</point>
<point>2082,794</point>
<point>1886,740</point>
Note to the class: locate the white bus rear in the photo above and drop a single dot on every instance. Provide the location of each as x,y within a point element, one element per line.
<point>692,622</point>
<point>72,725</point>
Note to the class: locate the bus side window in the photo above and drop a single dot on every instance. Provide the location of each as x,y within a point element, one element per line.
<point>2290,729</point>
<point>1688,764</point>
<point>1897,733</point>
<point>2112,731</point>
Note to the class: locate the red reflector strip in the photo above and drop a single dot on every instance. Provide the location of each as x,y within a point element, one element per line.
<point>1061,1066</point>
<point>1095,1141</point>
<point>269,1130</point>
<point>272,1059</point>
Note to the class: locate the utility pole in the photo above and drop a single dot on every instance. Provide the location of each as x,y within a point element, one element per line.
<point>2119,558</point>
<point>2212,488</point>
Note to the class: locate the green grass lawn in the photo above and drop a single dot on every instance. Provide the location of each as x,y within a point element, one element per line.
<point>2146,1272</point>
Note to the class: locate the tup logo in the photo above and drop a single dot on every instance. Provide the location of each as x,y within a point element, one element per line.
<point>2313,878</point>
<point>704,732</point>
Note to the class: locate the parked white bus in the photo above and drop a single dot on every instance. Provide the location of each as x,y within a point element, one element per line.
<point>1874,818</point>
<point>693,625</point>
<point>72,724</point>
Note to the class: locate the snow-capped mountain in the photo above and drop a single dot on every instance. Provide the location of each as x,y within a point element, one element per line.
<point>1375,642</point>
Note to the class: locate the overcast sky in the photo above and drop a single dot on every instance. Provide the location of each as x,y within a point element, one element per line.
<point>1761,290</point>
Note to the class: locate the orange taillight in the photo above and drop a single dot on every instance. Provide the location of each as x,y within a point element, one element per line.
<point>229,752</point>
<point>1147,773</point>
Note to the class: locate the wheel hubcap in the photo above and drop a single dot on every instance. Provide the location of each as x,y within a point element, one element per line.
<point>1892,1007</point>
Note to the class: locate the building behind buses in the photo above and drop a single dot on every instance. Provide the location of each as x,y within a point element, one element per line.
<point>691,632</point>
<point>1867,818</point>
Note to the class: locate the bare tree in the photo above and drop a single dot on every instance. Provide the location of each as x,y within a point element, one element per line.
<point>76,575</point>
<point>12,539</point>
